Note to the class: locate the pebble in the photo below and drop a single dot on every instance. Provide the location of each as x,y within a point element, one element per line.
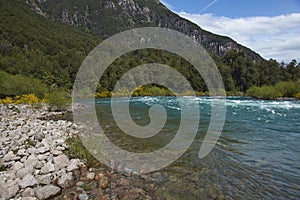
<point>83,197</point>
<point>46,192</point>
<point>27,181</point>
<point>28,192</point>
<point>73,164</point>
<point>32,151</point>
<point>9,190</point>
<point>48,167</point>
<point>103,182</point>
<point>80,184</point>
<point>61,161</point>
<point>17,166</point>
<point>66,181</point>
<point>90,176</point>
<point>44,179</point>
<point>24,171</point>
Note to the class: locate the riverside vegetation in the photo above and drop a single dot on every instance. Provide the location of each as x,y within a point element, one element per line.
<point>281,90</point>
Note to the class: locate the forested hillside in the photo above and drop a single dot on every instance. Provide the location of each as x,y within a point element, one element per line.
<point>37,47</point>
<point>51,47</point>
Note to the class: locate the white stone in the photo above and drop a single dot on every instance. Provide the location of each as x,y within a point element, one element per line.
<point>27,198</point>
<point>9,156</point>
<point>32,160</point>
<point>39,136</point>
<point>61,162</point>
<point>46,192</point>
<point>83,197</point>
<point>42,157</point>
<point>74,164</point>
<point>27,181</point>
<point>60,172</point>
<point>90,176</point>
<point>9,190</point>
<point>27,192</point>
<point>48,167</point>
<point>22,152</point>
<point>17,166</point>
<point>39,165</point>
<point>56,152</point>
<point>32,150</point>
<point>24,171</point>
<point>65,181</point>
<point>32,167</point>
<point>44,179</point>
<point>43,149</point>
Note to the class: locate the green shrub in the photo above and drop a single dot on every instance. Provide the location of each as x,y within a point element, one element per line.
<point>286,89</point>
<point>17,85</point>
<point>281,89</point>
<point>57,99</point>
<point>76,149</point>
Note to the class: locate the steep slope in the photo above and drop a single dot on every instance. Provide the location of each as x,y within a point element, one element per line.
<point>49,39</point>
<point>35,46</point>
<point>107,17</point>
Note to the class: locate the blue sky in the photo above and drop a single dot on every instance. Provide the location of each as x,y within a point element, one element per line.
<point>237,8</point>
<point>269,27</point>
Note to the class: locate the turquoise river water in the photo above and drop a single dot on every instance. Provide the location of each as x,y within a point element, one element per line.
<point>256,157</point>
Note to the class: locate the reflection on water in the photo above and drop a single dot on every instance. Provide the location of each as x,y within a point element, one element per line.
<point>257,156</point>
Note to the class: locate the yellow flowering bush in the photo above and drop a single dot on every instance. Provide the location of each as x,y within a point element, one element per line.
<point>7,100</point>
<point>297,96</point>
<point>103,94</point>
<point>24,99</point>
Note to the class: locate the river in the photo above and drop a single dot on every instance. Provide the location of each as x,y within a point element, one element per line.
<point>256,157</point>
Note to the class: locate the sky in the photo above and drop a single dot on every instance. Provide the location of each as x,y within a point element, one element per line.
<point>269,27</point>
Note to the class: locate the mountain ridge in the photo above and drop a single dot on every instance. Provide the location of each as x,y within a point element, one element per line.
<point>105,18</point>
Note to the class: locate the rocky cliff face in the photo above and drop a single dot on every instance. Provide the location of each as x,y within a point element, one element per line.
<point>107,17</point>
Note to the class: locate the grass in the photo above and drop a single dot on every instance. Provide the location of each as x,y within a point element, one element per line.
<point>76,149</point>
<point>58,100</point>
<point>2,168</point>
<point>15,151</point>
<point>87,187</point>
<point>29,143</point>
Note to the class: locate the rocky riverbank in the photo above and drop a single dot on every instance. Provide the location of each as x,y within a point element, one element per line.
<point>33,163</point>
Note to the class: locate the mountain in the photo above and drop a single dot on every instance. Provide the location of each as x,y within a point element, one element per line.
<point>48,40</point>
<point>107,17</point>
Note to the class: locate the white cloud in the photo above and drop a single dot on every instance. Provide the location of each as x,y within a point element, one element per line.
<point>275,37</point>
